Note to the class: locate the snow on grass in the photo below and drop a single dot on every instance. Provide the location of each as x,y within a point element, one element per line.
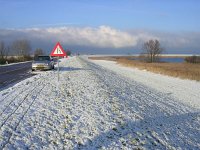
<point>93,108</point>
<point>24,62</point>
<point>186,91</point>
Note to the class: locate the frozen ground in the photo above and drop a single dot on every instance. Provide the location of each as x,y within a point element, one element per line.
<point>94,108</point>
<point>186,91</point>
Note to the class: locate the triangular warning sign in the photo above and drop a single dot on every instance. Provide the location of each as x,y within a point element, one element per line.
<point>58,50</point>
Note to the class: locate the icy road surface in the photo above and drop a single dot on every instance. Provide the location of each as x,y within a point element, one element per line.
<point>94,108</point>
<point>11,73</point>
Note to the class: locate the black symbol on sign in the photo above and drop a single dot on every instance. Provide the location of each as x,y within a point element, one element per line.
<point>58,51</point>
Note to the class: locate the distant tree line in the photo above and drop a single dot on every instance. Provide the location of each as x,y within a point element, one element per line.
<point>18,51</point>
<point>192,59</point>
<point>3,52</point>
<point>38,52</point>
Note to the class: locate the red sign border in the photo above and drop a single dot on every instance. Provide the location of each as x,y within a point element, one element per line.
<point>52,52</point>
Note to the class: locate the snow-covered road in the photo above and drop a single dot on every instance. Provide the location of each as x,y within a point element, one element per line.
<point>94,108</point>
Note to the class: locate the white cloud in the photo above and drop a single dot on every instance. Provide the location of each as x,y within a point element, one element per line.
<point>171,41</point>
<point>102,37</point>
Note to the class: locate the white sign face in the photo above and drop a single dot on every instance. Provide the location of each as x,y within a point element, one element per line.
<point>58,50</point>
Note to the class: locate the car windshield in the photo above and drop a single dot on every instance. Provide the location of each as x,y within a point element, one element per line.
<point>42,58</point>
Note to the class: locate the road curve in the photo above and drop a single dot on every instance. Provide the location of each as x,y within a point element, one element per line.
<point>10,74</point>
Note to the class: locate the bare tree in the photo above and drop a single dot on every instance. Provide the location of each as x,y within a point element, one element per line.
<point>68,52</point>
<point>151,50</point>
<point>22,48</point>
<point>3,52</point>
<point>38,51</point>
<point>2,49</point>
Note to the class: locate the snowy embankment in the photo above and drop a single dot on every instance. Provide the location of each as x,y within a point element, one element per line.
<point>186,91</point>
<point>93,108</point>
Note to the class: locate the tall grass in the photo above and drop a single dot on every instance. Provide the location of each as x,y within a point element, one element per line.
<point>193,59</point>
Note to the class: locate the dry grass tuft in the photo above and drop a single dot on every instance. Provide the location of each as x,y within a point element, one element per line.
<point>181,70</point>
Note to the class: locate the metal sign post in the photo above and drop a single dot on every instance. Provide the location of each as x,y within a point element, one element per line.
<point>58,51</point>
<point>58,67</point>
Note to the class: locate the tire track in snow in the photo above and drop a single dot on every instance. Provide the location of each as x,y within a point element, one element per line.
<point>8,115</point>
<point>16,106</point>
<point>20,118</point>
<point>15,117</point>
<point>12,101</point>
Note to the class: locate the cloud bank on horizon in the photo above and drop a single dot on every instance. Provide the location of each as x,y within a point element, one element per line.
<point>89,39</point>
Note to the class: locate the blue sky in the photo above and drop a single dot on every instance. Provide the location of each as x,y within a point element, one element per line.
<point>169,15</point>
<point>151,17</point>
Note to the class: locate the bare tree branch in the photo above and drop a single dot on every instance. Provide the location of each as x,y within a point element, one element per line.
<point>38,51</point>
<point>152,50</point>
<point>3,52</point>
<point>22,48</point>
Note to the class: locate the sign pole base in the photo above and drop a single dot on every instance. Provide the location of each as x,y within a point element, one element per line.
<point>58,74</point>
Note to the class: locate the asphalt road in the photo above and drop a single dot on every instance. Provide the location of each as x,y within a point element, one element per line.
<point>10,74</point>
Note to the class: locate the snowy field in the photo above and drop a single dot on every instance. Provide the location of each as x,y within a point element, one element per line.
<point>100,107</point>
<point>187,91</point>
